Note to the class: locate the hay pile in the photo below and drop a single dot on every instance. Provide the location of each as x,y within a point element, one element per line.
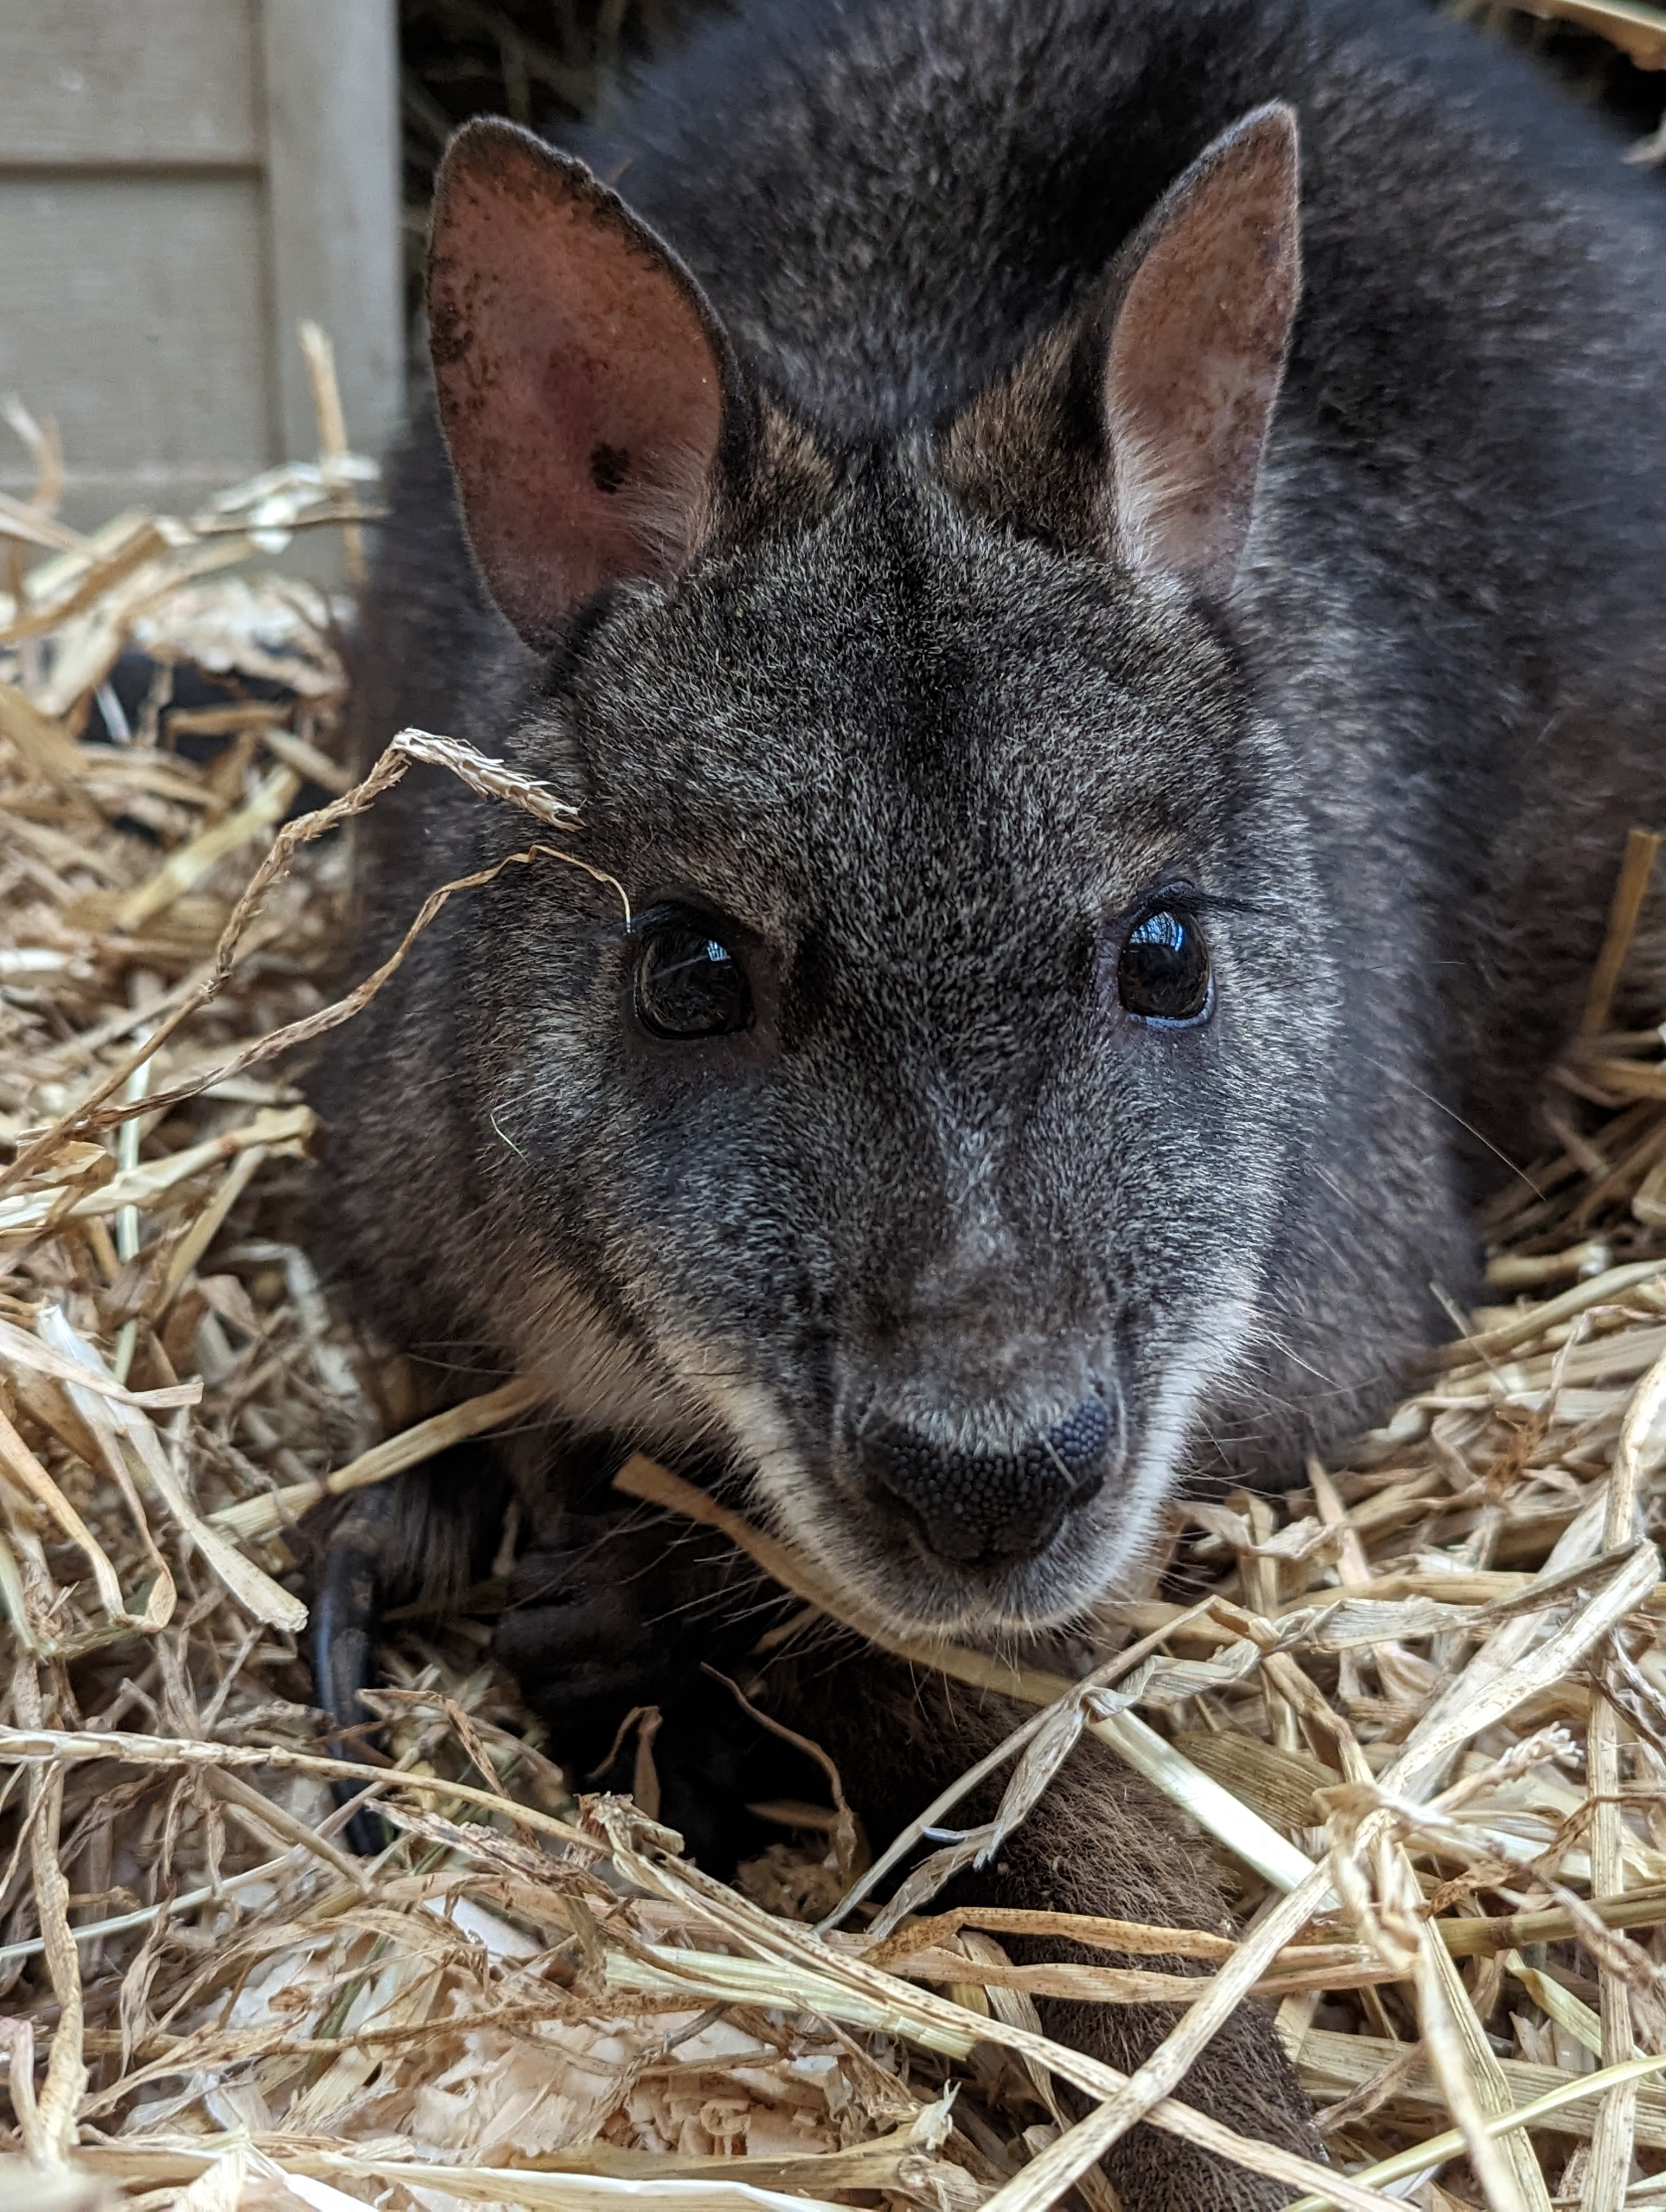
<point>1420,1709</point>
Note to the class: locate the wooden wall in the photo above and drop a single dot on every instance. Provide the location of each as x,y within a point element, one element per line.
<point>180,181</point>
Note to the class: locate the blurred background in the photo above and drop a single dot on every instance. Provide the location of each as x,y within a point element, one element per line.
<point>183,182</point>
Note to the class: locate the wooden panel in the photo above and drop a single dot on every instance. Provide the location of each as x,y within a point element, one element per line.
<point>106,83</point>
<point>180,181</point>
<point>332,114</point>
<point>132,309</point>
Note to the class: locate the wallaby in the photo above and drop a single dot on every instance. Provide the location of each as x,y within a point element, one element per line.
<point>1091,567</point>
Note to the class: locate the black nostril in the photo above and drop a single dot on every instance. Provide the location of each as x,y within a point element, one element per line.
<point>969,1505</point>
<point>1077,1445</point>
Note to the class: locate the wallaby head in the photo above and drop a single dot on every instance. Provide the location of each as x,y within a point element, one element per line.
<point>922,1141</point>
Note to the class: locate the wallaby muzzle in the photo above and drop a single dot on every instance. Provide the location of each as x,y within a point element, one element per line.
<point>969,1505</point>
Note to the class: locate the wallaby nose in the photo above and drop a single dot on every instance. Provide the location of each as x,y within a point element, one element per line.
<point>971,1505</point>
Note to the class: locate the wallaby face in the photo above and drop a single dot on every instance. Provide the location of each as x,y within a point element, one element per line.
<point>1116,770</point>
<point>920,1141</point>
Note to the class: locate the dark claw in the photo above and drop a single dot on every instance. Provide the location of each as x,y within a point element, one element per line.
<point>603,1615</point>
<point>345,1607</point>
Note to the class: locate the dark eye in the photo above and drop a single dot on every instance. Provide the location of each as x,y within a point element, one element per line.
<point>689,982</point>
<point>1162,974</point>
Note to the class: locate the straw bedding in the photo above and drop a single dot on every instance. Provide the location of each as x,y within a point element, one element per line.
<point>1418,1707</point>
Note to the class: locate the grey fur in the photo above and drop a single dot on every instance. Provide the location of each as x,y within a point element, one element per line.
<point>919,756</point>
<point>923,740</point>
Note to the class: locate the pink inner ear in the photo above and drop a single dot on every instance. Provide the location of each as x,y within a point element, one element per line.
<point>579,380</point>
<point>1197,351</point>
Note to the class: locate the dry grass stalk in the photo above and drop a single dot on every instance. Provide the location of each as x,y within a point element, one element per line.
<point>1638,31</point>
<point>1421,1707</point>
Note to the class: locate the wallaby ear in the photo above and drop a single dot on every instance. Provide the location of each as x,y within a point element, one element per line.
<point>1197,350</point>
<point>1137,425</point>
<point>584,384</point>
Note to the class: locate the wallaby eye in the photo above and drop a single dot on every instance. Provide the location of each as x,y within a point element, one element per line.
<point>689,982</point>
<point>1162,974</point>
